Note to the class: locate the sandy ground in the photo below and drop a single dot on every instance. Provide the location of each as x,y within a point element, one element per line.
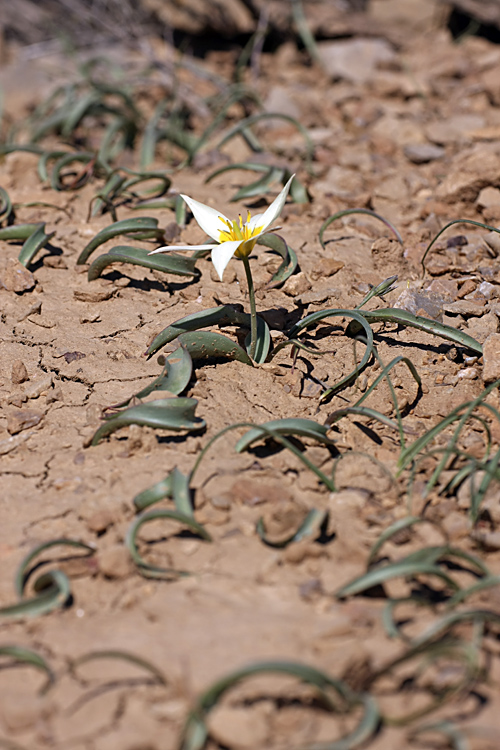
<point>414,137</point>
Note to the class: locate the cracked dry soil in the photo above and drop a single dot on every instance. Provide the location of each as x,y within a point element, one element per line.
<point>417,140</point>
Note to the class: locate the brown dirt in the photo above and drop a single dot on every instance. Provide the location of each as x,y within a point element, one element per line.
<point>67,355</point>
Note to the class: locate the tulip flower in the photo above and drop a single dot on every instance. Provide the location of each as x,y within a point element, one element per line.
<point>236,238</point>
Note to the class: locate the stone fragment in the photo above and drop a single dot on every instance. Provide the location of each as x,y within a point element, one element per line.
<point>471,171</point>
<point>297,284</point>
<point>11,443</point>
<point>100,521</point>
<point>481,328</point>
<point>422,153</point>
<point>42,320</point>
<point>488,196</point>
<point>326,267</point>
<point>19,372</point>
<point>455,129</point>
<point>315,297</point>
<point>238,727</point>
<point>491,358</point>
<point>415,302</point>
<point>37,387</point>
<point>54,261</point>
<point>488,290</point>
<point>493,241</point>
<point>466,307</point>
<point>16,278</point>
<point>22,419</point>
<point>355,60</point>
<point>82,296</point>
<point>115,562</point>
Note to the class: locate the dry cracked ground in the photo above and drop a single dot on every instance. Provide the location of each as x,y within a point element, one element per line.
<point>406,124</point>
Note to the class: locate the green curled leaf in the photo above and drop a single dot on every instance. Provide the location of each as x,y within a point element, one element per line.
<point>33,244</point>
<point>175,414</point>
<point>154,571</point>
<point>52,592</point>
<point>425,561</point>
<point>262,341</point>
<point>348,211</point>
<point>122,656</point>
<point>175,377</point>
<point>292,427</point>
<point>19,231</point>
<point>195,732</point>
<point>311,524</point>
<point>6,210</point>
<point>23,571</point>
<point>456,738</point>
<point>173,263</point>
<point>206,344</point>
<point>27,656</point>
<point>393,315</point>
<point>159,491</point>
<point>222,315</point>
<point>143,227</point>
<point>289,263</point>
<point>88,159</point>
<point>316,317</point>
<point>104,198</point>
<point>175,485</point>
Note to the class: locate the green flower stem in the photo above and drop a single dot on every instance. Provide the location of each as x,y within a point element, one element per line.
<point>253,311</point>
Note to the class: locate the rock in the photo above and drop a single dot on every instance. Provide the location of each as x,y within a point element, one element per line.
<point>16,278</point>
<point>315,297</point>
<point>467,307</point>
<point>297,284</point>
<point>37,387</point>
<point>100,521</point>
<point>491,358</point>
<point>454,129</point>
<point>239,728</point>
<point>19,372</point>
<point>488,290</point>
<point>326,267</point>
<point>22,419</point>
<point>481,328</point>
<point>471,171</point>
<point>426,303</point>
<point>422,153</point>
<point>355,60</point>
<point>489,196</point>
<point>493,241</point>
<point>115,562</point>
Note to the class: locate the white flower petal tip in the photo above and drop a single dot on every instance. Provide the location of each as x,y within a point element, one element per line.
<point>276,207</point>
<point>222,254</point>
<point>180,248</point>
<point>211,221</point>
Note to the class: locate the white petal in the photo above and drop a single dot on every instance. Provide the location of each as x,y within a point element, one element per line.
<point>210,220</point>
<point>167,248</point>
<point>222,254</point>
<point>274,210</point>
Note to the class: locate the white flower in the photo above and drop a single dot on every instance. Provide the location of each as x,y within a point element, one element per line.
<point>230,237</point>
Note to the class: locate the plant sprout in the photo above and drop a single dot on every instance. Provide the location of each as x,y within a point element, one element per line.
<point>235,237</point>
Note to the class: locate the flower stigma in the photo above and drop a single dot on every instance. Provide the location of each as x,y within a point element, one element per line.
<point>237,230</point>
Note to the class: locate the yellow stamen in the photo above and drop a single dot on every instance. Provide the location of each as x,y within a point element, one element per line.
<point>237,230</point>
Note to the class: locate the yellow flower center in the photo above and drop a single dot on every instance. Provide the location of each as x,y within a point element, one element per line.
<point>237,230</point>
